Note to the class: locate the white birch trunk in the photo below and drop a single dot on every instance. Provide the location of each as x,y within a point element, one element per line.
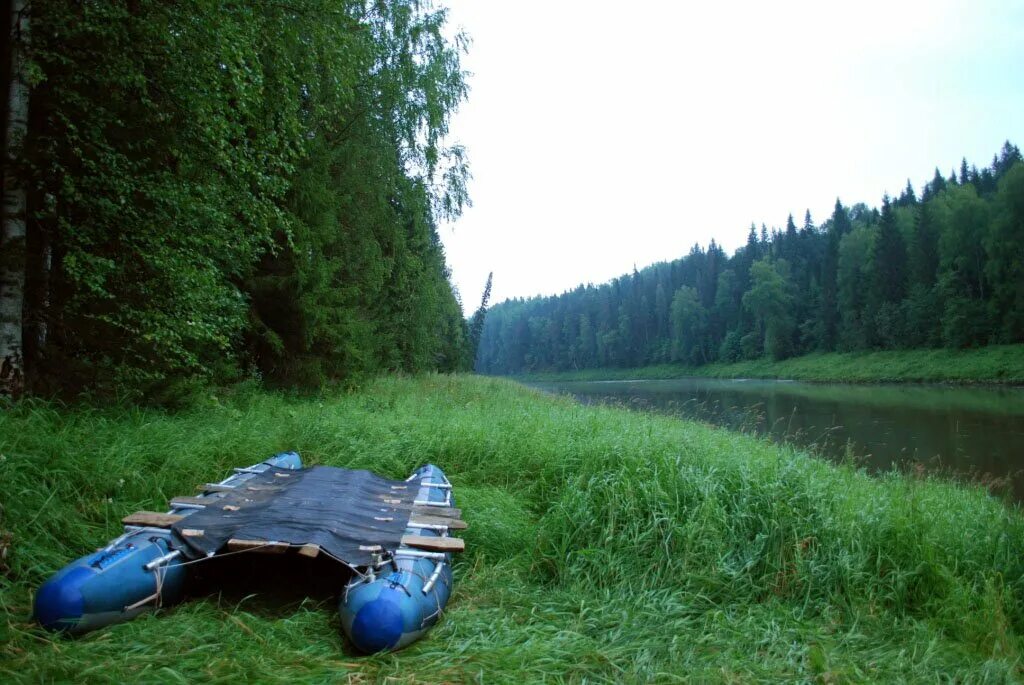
<point>12,232</point>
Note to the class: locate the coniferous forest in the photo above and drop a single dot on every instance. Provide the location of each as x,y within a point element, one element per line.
<point>941,268</point>
<point>233,190</point>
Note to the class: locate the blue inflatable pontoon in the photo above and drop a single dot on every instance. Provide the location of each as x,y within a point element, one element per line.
<point>395,603</point>
<point>391,538</point>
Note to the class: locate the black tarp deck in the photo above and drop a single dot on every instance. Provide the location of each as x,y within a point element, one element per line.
<point>342,511</point>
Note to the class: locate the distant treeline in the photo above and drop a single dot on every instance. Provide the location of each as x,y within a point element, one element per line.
<point>942,269</point>
<point>228,189</point>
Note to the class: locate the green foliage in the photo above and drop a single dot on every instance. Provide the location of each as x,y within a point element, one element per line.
<point>689,327</point>
<point>770,301</point>
<point>829,314</point>
<point>1004,248</point>
<point>365,271</point>
<point>922,313</point>
<point>853,279</point>
<point>249,185</point>
<point>945,269</point>
<point>603,546</point>
<point>889,259</point>
<point>963,219</point>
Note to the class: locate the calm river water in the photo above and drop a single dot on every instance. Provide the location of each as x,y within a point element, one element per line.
<point>976,431</point>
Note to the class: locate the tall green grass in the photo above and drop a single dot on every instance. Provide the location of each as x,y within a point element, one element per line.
<point>1001,364</point>
<point>604,546</point>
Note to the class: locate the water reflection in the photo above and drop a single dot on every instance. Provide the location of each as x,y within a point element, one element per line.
<point>972,431</point>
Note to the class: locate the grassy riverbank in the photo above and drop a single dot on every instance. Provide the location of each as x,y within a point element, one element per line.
<point>996,364</point>
<point>604,545</point>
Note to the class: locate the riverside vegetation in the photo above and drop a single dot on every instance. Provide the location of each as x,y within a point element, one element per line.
<point>604,546</point>
<point>1002,364</point>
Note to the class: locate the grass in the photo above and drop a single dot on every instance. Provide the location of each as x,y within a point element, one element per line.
<point>999,364</point>
<point>604,546</point>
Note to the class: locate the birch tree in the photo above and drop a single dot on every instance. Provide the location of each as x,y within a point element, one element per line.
<point>12,233</point>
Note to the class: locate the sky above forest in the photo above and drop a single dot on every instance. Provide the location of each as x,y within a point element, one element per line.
<point>606,135</point>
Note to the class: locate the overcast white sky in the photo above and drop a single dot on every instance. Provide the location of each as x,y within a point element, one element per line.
<point>606,134</point>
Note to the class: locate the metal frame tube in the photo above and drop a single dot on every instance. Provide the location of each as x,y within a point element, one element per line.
<point>429,585</point>
<point>160,561</point>
<point>428,526</point>
<point>418,554</point>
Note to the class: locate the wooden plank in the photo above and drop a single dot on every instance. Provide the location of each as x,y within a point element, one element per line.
<point>191,501</point>
<point>193,532</point>
<point>434,544</point>
<point>151,518</point>
<point>453,524</point>
<point>264,546</point>
<point>445,512</point>
<point>217,487</point>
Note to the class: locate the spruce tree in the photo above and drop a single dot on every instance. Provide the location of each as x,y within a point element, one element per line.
<point>1004,244</point>
<point>1008,156</point>
<point>923,252</point>
<point>907,197</point>
<point>789,241</point>
<point>808,227</point>
<point>829,316</point>
<point>476,326</point>
<point>889,258</point>
<point>986,182</point>
<point>938,183</point>
<point>753,247</point>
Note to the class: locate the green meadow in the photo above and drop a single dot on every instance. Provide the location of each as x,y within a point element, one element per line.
<point>604,546</point>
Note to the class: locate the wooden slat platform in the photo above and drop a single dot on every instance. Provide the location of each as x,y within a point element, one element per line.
<point>151,518</point>
<point>216,487</point>
<point>449,517</point>
<point>452,524</point>
<point>310,551</point>
<point>446,512</point>
<point>192,501</point>
<point>434,544</point>
<point>263,546</point>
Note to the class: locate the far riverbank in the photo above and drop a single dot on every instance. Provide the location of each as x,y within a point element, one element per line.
<point>995,364</point>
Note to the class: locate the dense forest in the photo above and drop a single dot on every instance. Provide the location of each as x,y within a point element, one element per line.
<point>242,189</point>
<point>945,268</point>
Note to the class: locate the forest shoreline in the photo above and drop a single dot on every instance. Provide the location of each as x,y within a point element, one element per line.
<point>603,545</point>
<point>992,365</point>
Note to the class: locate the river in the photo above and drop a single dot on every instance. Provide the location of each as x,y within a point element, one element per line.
<point>976,432</point>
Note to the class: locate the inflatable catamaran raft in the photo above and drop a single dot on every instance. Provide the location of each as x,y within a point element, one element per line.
<point>393,537</point>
